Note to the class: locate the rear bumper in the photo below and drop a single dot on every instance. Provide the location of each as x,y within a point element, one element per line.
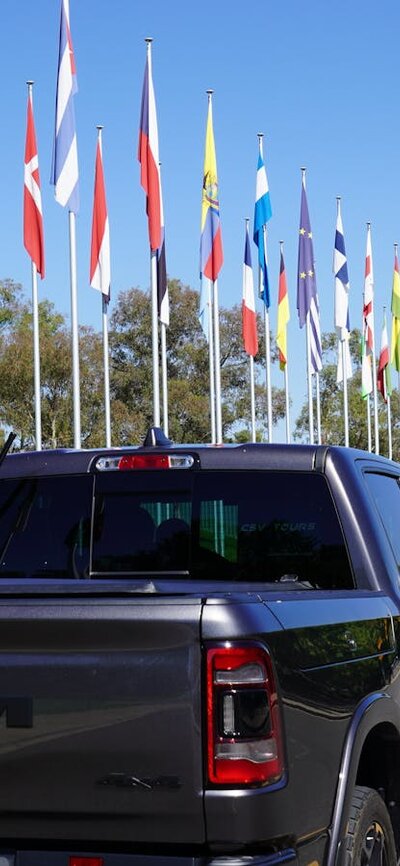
<point>287,857</point>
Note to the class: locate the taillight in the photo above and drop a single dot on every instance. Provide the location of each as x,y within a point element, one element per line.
<point>85,861</point>
<point>243,717</point>
<point>144,461</point>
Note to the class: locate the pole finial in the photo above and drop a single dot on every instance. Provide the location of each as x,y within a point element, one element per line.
<point>30,83</point>
<point>148,39</point>
<point>99,127</point>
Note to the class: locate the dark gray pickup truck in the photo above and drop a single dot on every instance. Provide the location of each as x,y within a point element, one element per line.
<point>199,657</point>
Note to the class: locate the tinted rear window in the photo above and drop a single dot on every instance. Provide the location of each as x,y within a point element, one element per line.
<point>263,527</point>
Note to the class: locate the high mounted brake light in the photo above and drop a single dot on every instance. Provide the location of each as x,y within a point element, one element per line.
<point>144,461</point>
<point>244,727</point>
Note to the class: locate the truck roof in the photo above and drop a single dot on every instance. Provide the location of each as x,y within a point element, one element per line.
<point>242,457</point>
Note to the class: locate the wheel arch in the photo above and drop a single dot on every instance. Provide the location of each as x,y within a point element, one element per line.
<point>374,726</point>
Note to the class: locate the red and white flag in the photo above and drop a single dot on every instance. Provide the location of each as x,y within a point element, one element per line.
<point>148,156</point>
<point>100,271</point>
<point>249,318</point>
<point>33,218</point>
<point>369,296</point>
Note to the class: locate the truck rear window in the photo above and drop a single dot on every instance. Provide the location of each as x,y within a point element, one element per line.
<point>263,527</point>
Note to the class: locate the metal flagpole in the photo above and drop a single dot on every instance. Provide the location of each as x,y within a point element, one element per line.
<point>74,332</point>
<point>164,376</point>
<point>318,401</point>
<point>389,423</point>
<point>267,345</point>
<point>211,361</point>
<point>36,349</point>
<point>287,403</point>
<point>252,400</point>
<point>374,380</point>
<point>107,413</point>
<point>369,423</point>
<point>345,394</point>
<point>217,365</point>
<point>309,381</point>
<point>154,337</point>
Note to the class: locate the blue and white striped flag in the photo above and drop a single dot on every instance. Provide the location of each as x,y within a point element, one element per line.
<point>262,213</point>
<point>64,171</point>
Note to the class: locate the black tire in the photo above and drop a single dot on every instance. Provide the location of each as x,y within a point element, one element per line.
<point>369,839</point>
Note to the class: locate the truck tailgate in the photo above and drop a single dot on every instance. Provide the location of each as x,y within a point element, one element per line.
<point>100,725</point>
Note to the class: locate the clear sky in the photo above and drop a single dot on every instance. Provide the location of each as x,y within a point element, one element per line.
<point>319,79</point>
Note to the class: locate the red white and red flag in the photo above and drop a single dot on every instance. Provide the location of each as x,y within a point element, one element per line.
<point>148,156</point>
<point>369,296</point>
<point>33,218</point>
<point>100,270</point>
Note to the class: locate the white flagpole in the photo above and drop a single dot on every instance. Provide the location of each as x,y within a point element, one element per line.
<point>344,365</point>
<point>252,399</point>
<point>309,382</point>
<point>217,365</point>
<point>74,332</point>
<point>369,422</point>
<point>154,338</point>
<point>211,360</point>
<point>318,401</point>
<point>267,344</point>
<point>36,349</point>
<point>107,413</point>
<point>164,376</point>
<point>287,403</point>
<point>389,423</point>
<point>345,395</point>
<point>374,380</point>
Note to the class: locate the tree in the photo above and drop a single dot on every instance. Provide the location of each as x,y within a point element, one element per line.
<point>332,426</point>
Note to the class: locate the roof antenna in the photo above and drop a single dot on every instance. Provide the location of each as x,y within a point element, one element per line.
<point>155,438</point>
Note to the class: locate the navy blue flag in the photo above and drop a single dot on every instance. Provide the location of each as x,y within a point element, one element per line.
<point>307,295</point>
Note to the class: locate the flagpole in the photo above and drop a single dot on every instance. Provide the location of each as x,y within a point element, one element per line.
<point>285,374</point>
<point>389,423</point>
<point>35,324</point>
<point>107,413</point>
<point>344,361</point>
<point>267,348</point>
<point>163,330</point>
<point>369,423</point>
<point>211,360</point>
<point>374,382</point>
<point>308,352</point>
<point>74,331</point>
<point>318,401</point>
<point>252,399</point>
<point>217,366</point>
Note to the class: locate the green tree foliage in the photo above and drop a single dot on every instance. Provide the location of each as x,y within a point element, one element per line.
<point>130,372</point>
<point>331,396</point>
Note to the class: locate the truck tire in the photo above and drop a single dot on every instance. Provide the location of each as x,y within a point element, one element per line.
<point>369,839</point>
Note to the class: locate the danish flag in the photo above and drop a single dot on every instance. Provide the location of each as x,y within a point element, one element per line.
<point>33,219</point>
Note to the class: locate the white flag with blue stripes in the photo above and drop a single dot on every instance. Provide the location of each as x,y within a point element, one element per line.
<point>262,213</point>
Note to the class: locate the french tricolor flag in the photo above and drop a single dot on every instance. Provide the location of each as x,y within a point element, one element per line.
<point>249,318</point>
<point>148,155</point>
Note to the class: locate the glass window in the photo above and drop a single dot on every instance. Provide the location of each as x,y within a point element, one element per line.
<point>266,527</point>
<point>45,527</point>
<point>385,492</point>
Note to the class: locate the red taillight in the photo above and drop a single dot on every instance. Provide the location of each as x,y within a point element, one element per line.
<point>243,717</point>
<point>144,461</point>
<point>85,861</point>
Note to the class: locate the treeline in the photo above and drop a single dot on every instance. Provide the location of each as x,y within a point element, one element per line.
<point>131,377</point>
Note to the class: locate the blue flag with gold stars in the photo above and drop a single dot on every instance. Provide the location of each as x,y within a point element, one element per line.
<point>307,295</point>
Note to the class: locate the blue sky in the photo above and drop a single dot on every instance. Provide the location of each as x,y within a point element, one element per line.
<point>320,80</point>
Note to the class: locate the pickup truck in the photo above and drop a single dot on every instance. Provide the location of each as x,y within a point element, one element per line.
<point>199,656</point>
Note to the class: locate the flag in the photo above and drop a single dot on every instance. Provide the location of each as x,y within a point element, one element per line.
<point>307,295</point>
<point>211,255</point>
<point>148,156</point>
<point>283,315</point>
<point>262,213</point>
<point>249,318</point>
<point>33,218</point>
<point>395,307</point>
<point>384,381</point>
<point>366,368</point>
<point>100,274</point>
<point>162,284</point>
<point>64,172</point>
<point>369,296</point>
<point>342,319</point>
